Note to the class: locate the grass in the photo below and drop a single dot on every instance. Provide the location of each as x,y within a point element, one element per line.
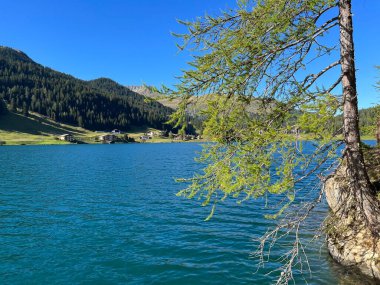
<point>16,129</point>
<point>368,137</point>
<point>136,133</point>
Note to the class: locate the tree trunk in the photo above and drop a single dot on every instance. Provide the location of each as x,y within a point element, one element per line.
<point>361,191</point>
<point>353,228</point>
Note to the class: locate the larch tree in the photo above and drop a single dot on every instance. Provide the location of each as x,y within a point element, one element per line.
<point>269,73</point>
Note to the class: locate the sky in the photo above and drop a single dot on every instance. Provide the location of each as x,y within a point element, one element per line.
<point>130,41</point>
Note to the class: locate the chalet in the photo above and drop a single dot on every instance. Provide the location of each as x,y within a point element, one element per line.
<point>108,138</point>
<point>116,131</point>
<point>145,138</point>
<point>66,137</point>
<point>189,137</point>
<point>150,134</point>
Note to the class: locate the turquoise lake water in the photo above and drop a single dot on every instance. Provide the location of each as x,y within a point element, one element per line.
<point>108,214</point>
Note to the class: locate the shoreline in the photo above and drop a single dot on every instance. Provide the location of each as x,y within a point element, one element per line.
<point>23,143</point>
<point>55,142</point>
<point>35,129</point>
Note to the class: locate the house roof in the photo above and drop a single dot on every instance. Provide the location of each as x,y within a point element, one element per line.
<point>107,136</point>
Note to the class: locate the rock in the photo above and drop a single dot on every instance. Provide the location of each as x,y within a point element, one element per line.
<point>349,243</point>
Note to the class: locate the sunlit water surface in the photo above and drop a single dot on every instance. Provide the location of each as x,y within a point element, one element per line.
<point>108,214</point>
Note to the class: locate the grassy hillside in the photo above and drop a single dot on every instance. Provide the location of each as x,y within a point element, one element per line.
<point>16,129</point>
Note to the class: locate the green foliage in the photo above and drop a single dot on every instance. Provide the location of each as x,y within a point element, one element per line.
<point>259,53</point>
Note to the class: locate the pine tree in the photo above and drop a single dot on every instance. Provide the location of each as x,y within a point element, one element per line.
<point>13,106</point>
<point>25,109</point>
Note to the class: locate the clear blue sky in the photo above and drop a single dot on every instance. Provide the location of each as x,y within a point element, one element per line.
<point>129,41</point>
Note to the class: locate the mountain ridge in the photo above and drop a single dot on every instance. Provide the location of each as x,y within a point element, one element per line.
<point>95,104</point>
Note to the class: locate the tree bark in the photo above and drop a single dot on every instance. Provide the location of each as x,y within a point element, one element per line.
<point>361,191</point>
<point>353,231</point>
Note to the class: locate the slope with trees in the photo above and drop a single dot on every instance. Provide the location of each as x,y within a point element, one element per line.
<point>97,105</point>
<point>367,121</point>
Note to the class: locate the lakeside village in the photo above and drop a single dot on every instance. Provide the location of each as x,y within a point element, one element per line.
<point>118,136</point>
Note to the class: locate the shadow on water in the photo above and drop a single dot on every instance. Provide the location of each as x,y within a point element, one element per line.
<point>349,275</point>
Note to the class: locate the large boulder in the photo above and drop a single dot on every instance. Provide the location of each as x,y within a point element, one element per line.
<point>350,241</point>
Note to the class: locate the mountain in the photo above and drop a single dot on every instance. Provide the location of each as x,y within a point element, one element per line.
<point>151,94</point>
<point>100,104</point>
<point>197,104</point>
<point>367,117</point>
<point>14,54</point>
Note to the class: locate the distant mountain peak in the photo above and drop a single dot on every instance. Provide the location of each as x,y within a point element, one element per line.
<point>15,54</point>
<point>143,90</point>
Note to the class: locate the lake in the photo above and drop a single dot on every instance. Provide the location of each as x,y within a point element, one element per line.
<point>108,214</point>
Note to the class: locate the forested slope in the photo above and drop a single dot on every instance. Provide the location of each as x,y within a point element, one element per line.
<point>99,104</point>
<point>367,121</point>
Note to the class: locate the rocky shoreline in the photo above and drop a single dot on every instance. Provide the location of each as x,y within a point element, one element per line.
<point>350,242</point>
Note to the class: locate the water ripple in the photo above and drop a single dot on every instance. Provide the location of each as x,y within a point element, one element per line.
<point>108,214</point>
